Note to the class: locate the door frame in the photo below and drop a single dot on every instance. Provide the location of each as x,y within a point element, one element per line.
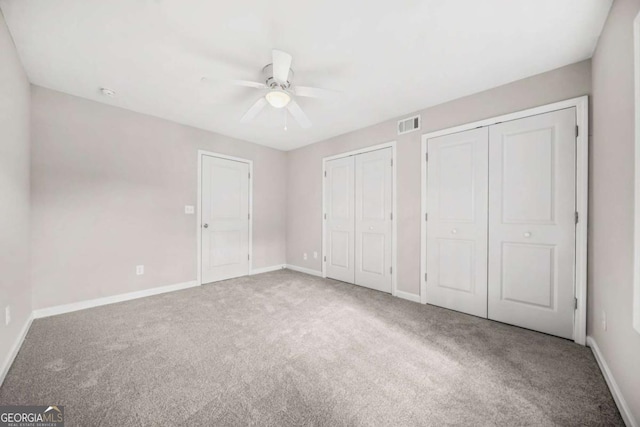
<point>394,207</point>
<point>201,154</point>
<point>636,208</point>
<point>581,105</point>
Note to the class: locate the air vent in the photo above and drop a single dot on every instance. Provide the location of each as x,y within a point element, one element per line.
<point>408,125</point>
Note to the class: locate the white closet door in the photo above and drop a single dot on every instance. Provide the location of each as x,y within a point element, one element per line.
<point>457,221</point>
<point>373,219</point>
<point>225,219</point>
<point>532,223</point>
<point>340,225</point>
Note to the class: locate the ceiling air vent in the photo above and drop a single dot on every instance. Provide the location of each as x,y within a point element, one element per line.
<point>408,125</point>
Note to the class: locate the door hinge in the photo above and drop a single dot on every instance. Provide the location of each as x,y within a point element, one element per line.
<point>249,175</point>
<point>391,216</point>
<point>325,174</point>
<point>577,217</point>
<point>325,258</point>
<point>426,157</point>
<point>577,131</point>
<point>248,216</point>
<point>391,162</point>
<point>575,303</point>
<point>325,216</point>
<point>426,216</point>
<point>390,270</point>
<point>248,257</point>
<point>425,277</point>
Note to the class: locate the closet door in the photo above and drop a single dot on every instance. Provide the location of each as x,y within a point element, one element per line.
<point>340,222</point>
<point>225,219</point>
<point>457,221</point>
<point>373,191</point>
<point>532,222</point>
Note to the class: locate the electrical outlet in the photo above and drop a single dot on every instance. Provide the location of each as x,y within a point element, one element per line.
<point>604,320</point>
<point>7,315</point>
<point>139,270</point>
<point>189,210</point>
<point>304,256</point>
<point>315,255</point>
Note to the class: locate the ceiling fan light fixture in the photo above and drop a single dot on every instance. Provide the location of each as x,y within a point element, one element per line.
<point>278,98</point>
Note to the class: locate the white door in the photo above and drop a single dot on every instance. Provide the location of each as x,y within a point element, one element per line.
<point>373,195</point>
<point>340,221</point>
<point>532,222</point>
<point>225,219</point>
<point>457,221</point>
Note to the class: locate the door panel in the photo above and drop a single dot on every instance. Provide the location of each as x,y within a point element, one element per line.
<point>457,224</point>
<point>340,226</point>
<point>225,212</point>
<point>226,247</point>
<point>526,285</point>
<point>532,223</point>
<point>373,245</point>
<point>534,147</point>
<point>456,264</point>
<point>374,201</point>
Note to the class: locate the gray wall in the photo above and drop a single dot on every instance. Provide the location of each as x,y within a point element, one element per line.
<point>611,202</point>
<point>304,184</point>
<point>14,193</point>
<point>109,188</point>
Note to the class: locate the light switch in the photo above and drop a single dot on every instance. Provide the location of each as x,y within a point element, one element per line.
<point>189,209</point>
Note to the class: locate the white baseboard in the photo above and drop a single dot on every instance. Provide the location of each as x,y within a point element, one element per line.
<point>267,269</point>
<point>68,308</point>
<point>627,416</point>
<point>15,349</point>
<point>408,296</point>
<point>304,270</point>
<point>399,294</point>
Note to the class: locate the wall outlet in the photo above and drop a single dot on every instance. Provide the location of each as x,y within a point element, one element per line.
<point>304,256</point>
<point>189,210</point>
<point>7,315</point>
<point>315,255</point>
<point>139,270</point>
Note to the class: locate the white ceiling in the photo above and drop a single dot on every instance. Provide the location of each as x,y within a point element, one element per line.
<point>388,58</point>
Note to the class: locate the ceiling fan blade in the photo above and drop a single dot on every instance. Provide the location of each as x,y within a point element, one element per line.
<point>254,110</point>
<point>245,83</point>
<point>298,114</point>
<point>248,83</point>
<point>281,66</point>
<point>315,92</point>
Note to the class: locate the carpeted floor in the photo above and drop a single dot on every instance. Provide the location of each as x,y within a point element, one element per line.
<point>285,348</point>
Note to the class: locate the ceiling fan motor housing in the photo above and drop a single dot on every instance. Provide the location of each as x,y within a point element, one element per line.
<point>271,82</point>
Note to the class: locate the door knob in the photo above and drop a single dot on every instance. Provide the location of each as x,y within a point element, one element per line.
<point>454,231</point>
<point>206,225</point>
<point>527,234</point>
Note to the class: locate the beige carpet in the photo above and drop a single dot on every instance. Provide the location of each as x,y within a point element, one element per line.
<point>285,348</point>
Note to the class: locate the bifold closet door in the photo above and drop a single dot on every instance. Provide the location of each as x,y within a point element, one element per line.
<point>340,221</point>
<point>532,222</point>
<point>225,219</point>
<point>373,210</point>
<point>457,179</point>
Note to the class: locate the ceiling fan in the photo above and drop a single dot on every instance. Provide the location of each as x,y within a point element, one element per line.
<point>280,92</point>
